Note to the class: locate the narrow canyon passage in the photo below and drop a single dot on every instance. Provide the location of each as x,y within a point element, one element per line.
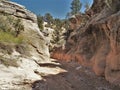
<point>77,77</point>
<point>85,45</point>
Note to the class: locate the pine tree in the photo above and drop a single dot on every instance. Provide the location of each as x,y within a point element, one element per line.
<point>48,18</point>
<point>76,5</point>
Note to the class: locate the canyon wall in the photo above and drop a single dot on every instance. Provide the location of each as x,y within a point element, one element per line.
<point>96,43</point>
<point>23,48</point>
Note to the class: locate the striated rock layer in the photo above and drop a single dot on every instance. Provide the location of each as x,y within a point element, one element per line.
<point>35,39</point>
<point>20,62</point>
<point>96,44</point>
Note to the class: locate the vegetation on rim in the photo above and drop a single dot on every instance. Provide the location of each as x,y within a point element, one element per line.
<point>10,29</point>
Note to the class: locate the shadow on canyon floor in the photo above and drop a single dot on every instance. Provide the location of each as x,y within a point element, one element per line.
<point>76,78</point>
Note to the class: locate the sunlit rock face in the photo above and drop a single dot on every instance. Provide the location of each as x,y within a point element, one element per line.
<point>19,62</point>
<point>96,43</point>
<point>35,39</point>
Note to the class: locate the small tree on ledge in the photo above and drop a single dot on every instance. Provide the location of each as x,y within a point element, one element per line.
<point>76,6</point>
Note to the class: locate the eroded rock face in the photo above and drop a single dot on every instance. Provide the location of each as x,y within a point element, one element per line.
<point>96,44</point>
<point>17,10</point>
<point>18,63</point>
<point>35,38</point>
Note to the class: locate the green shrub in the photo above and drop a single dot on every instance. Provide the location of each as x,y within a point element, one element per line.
<point>10,29</point>
<point>40,22</point>
<point>8,37</point>
<point>11,24</point>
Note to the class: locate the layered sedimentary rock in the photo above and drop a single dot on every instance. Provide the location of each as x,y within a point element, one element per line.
<point>20,62</point>
<point>96,43</point>
<point>29,20</point>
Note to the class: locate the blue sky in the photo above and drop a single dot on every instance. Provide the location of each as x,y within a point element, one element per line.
<point>57,8</point>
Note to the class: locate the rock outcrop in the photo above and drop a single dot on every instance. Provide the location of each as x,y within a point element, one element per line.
<point>17,10</point>
<point>20,62</point>
<point>96,44</point>
<point>31,31</point>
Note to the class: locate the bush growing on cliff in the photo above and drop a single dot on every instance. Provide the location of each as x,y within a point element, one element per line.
<point>11,25</point>
<point>10,28</point>
<point>8,37</point>
<point>18,27</point>
<point>40,22</point>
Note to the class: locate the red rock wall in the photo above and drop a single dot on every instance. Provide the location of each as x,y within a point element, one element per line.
<point>97,43</point>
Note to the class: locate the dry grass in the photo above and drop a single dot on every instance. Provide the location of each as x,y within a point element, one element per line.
<point>8,37</point>
<point>10,29</point>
